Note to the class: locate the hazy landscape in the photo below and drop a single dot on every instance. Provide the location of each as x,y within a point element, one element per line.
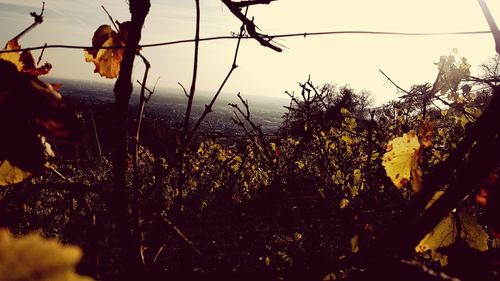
<point>169,105</point>
<point>351,140</point>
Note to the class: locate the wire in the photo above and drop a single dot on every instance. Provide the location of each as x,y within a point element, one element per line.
<point>304,34</point>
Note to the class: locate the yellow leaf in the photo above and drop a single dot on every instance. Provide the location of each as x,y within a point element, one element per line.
<point>10,174</point>
<point>353,190</point>
<point>445,234</point>
<point>355,244</point>
<point>401,160</point>
<point>344,203</point>
<point>297,236</point>
<point>338,178</point>
<point>13,57</point>
<point>32,257</point>
<point>346,138</point>
<point>442,236</point>
<point>473,233</point>
<point>463,121</point>
<point>273,146</point>
<point>330,277</point>
<point>434,198</point>
<point>357,177</point>
<point>107,61</point>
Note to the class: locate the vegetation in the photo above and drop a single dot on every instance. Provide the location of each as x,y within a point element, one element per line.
<point>342,191</point>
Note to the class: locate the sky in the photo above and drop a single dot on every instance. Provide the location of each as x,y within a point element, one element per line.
<point>342,59</point>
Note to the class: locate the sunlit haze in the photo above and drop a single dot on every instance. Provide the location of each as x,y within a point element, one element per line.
<point>343,59</point>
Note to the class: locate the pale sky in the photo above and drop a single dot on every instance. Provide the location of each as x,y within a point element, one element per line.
<point>342,59</point>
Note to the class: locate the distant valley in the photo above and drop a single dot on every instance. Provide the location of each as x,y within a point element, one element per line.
<point>168,105</point>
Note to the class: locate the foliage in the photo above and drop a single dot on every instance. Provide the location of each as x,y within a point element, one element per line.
<point>457,226</point>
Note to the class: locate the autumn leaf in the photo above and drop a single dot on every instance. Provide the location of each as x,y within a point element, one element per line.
<point>441,236</point>
<point>434,198</point>
<point>330,277</point>
<point>10,174</point>
<point>354,244</point>
<point>401,161</point>
<point>472,232</point>
<point>107,61</point>
<point>344,203</point>
<point>14,174</point>
<point>445,234</point>
<point>24,60</point>
<point>13,57</point>
<point>32,257</point>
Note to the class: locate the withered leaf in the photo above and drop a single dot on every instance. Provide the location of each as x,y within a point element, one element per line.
<point>107,61</point>
<point>23,60</point>
<point>401,161</point>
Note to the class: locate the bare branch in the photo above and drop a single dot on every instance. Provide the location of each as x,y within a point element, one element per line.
<point>490,81</point>
<point>37,18</point>
<point>243,4</point>
<point>150,92</point>
<point>195,73</point>
<point>208,108</point>
<point>263,39</point>
<point>393,83</point>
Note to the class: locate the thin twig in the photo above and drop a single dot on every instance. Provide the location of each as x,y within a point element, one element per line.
<point>150,92</point>
<point>393,83</point>
<point>183,89</point>
<point>255,128</point>
<point>489,81</point>
<point>59,174</point>
<point>158,253</point>
<point>182,236</point>
<point>41,54</point>
<point>111,19</point>
<point>37,18</point>
<point>95,133</point>
<point>208,108</point>
<point>195,73</point>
